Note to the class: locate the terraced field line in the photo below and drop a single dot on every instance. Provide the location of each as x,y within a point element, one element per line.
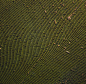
<point>55,23</point>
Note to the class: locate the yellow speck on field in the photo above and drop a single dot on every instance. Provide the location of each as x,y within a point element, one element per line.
<point>58,45</point>
<point>55,21</point>
<point>45,11</point>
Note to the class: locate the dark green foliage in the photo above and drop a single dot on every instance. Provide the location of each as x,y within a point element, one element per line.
<point>43,42</point>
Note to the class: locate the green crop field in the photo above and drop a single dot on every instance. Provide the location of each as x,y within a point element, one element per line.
<point>42,42</point>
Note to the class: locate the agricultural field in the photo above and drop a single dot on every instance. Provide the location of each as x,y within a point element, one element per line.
<point>43,42</point>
